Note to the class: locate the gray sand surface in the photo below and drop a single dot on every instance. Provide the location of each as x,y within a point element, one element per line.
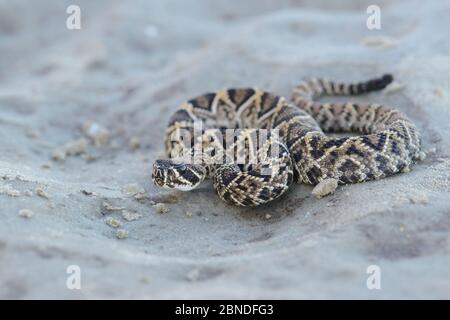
<point>82,118</point>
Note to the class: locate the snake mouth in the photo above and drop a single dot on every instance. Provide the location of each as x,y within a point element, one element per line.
<point>158,178</point>
<point>159,173</point>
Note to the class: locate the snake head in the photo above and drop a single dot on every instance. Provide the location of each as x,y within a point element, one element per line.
<point>181,176</point>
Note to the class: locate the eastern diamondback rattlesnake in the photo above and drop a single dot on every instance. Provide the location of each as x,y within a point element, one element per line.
<point>293,146</point>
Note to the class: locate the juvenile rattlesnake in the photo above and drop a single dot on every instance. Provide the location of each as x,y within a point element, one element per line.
<point>300,151</point>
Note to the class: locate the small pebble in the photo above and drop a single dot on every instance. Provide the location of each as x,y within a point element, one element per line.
<point>76,147</point>
<point>135,143</point>
<point>161,208</point>
<point>324,188</point>
<point>88,157</point>
<point>41,193</point>
<point>59,155</point>
<point>96,132</point>
<point>10,191</point>
<point>193,275</point>
<point>422,156</point>
<point>108,207</point>
<point>268,216</point>
<point>121,234</point>
<point>112,222</point>
<point>188,214</point>
<point>26,213</point>
<point>140,196</point>
<point>130,216</point>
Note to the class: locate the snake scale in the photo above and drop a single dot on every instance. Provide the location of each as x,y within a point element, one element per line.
<point>300,151</point>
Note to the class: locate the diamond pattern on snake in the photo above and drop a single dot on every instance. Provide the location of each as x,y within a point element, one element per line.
<point>287,138</point>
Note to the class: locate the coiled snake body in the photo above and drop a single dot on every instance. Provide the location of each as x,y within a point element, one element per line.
<point>299,151</point>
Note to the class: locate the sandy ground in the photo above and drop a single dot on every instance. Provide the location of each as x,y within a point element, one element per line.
<point>82,116</point>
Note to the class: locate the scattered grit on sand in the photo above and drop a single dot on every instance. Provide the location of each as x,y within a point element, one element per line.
<point>82,118</point>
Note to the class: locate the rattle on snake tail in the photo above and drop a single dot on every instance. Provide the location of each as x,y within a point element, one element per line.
<point>295,148</point>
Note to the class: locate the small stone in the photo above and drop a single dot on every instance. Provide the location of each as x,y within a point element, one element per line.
<point>188,214</point>
<point>76,147</point>
<point>110,221</point>
<point>96,132</point>
<point>41,193</point>
<point>161,208</point>
<point>422,156</point>
<point>193,275</point>
<point>130,216</point>
<point>135,143</point>
<point>108,207</point>
<point>88,157</point>
<point>26,213</point>
<point>59,155</point>
<point>268,216</point>
<point>121,234</point>
<point>324,188</point>
<point>140,196</point>
<point>10,191</point>
<point>406,170</point>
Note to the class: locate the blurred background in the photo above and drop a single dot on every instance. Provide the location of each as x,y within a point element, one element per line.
<point>82,118</point>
